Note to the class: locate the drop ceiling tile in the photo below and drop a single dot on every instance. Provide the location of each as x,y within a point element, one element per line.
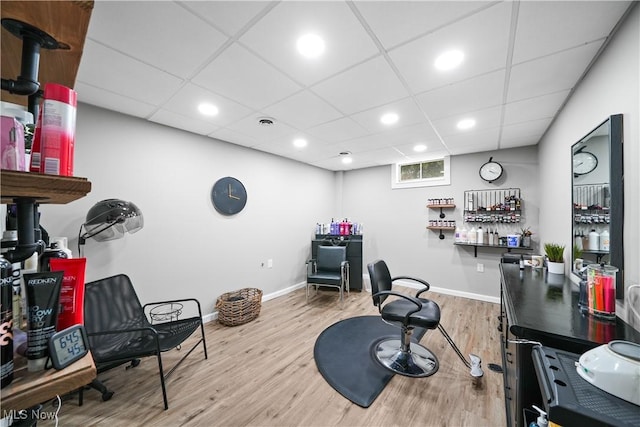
<point>303,110</point>
<point>554,26</point>
<point>463,97</point>
<point>228,16</point>
<point>395,22</point>
<point>545,106</point>
<point>112,101</point>
<point>418,133</point>
<point>524,133</point>
<point>245,78</point>
<point>187,99</point>
<point>485,119</point>
<point>148,33</point>
<point>367,85</point>
<point>434,148</point>
<point>249,126</point>
<point>274,38</point>
<point>105,68</point>
<point>483,37</point>
<point>338,130</point>
<point>406,109</point>
<point>551,73</point>
<point>485,140</point>
<point>179,121</point>
<point>229,135</point>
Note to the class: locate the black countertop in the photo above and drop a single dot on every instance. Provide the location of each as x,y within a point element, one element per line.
<point>544,307</point>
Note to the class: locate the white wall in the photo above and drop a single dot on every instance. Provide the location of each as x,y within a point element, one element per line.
<point>186,247</point>
<point>395,221</point>
<point>611,87</point>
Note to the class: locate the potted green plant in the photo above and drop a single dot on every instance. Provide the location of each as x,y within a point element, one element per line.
<point>555,254</point>
<point>525,237</point>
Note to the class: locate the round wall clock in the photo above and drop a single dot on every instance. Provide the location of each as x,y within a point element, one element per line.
<point>228,196</point>
<point>584,162</point>
<point>491,170</point>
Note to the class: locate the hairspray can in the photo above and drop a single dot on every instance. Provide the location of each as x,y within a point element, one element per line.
<point>58,130</point>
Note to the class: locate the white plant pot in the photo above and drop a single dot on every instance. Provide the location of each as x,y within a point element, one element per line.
<point>555,267</point>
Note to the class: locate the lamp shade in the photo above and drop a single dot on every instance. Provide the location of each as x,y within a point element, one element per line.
<point>111,218</point>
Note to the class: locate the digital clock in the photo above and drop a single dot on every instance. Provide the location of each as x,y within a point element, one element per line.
<point>67,346</point>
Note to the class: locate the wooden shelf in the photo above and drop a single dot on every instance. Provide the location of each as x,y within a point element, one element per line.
<point>31,388</point>
<point>65,21</point>
<point>441,206</point>
<point>52,189</point>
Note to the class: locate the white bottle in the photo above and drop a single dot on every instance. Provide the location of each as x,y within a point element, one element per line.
<point>480,237</point>
<point>594,240</point>
<point>464,235</point>
<point>472,235</point>
<point>496,238</point>
<point>457,235</point>
<point>578,241</point>
<point>604,240</point>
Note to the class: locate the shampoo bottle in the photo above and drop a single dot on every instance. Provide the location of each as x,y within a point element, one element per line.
<point>604,241</point>
<point>472,235</point>
<point>594,240</point>
<point>480,237</point>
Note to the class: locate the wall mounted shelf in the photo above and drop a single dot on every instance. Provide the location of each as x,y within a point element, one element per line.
<point>441,225</point>
<point>476,246</point>
<point>51,189</point>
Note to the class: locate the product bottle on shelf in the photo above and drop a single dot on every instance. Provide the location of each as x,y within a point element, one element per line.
<point>594,240</point>
<point>464,237</point>
<point>472,235</point>
<point>480,237</point>
<point>604,240</point>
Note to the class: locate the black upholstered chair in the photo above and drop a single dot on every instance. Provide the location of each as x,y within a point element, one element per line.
<point>120,332</point>
<point>403,356</point>
<point>329,268</point>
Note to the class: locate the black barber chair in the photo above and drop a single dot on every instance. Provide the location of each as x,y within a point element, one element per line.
<point>401,355</point>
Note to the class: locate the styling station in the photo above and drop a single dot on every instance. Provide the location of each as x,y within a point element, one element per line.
<point>320,213</point>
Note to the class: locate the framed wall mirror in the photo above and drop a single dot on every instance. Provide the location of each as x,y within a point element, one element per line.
<point>598,199</point>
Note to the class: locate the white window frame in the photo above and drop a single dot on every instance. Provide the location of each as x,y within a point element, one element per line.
<point>426,182</point>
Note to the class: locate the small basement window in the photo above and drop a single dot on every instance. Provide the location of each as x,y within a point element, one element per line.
<point>422,173</point>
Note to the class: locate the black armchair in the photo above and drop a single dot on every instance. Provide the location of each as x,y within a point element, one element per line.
<point>119,330</point>
<point>407,312</point>
<point>329,268</point>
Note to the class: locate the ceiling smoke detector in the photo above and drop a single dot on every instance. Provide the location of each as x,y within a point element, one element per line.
<point>266,121</point>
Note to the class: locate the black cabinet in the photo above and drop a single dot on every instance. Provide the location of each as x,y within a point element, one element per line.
<point>354,254</point>
<point>538,308</point>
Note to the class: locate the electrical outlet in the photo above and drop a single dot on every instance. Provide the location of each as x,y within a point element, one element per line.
<point>480,268</point>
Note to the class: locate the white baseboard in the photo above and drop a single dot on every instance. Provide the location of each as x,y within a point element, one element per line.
<point>453,292</point>
<point>496,300</point>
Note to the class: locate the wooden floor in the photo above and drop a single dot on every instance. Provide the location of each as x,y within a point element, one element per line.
<point>263,374</point>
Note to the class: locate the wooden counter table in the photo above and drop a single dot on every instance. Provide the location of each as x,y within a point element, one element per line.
<point>31,388</point>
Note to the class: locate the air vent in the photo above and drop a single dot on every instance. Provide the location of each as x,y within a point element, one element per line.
<point>266,121</point>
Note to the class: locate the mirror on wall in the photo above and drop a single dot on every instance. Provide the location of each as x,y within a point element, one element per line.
<point>598,199</point>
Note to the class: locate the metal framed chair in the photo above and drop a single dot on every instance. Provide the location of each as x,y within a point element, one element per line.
<point>119,331</point>
<point>330,268</point>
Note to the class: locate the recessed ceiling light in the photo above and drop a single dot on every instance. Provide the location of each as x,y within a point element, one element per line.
<point>465,124</point>
<point>208,109</point>
<point>346,157</point>
<point>419,148</point>
<point>389,118</point>
<point>300,142</point>
<point>449,60</point>
<point>310,45</point>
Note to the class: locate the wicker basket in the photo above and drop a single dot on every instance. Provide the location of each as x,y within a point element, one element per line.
<point>238,307</point>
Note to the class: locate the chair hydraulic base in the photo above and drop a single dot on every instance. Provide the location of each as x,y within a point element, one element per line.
<point>413,360</point>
